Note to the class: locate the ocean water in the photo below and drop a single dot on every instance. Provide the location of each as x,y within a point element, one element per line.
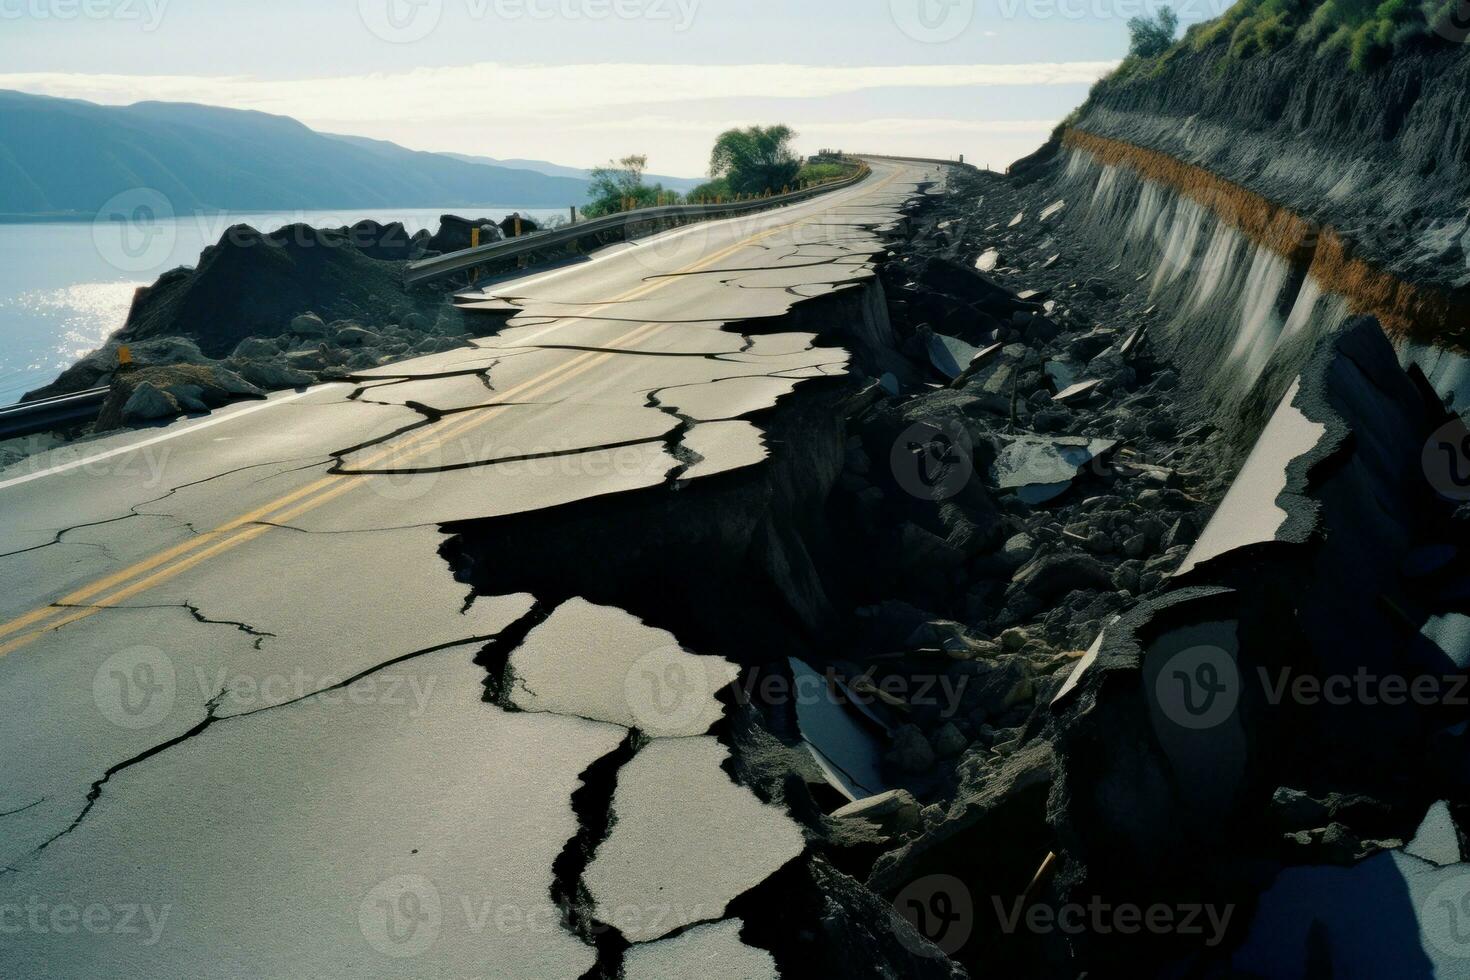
<point>66,285</point>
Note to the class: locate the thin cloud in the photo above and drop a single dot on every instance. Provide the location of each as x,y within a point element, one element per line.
<point>586,113</point>
<point>497,91</point>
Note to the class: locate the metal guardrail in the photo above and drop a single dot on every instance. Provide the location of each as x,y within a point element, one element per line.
<point>47,413</point>
<point>510,248</point>
<point>948,163</point>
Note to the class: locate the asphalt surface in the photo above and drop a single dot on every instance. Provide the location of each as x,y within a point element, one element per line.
<point>243,731</point>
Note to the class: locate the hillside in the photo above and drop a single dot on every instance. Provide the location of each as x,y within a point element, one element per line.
<point>681,184</point>
<point>70,156</point>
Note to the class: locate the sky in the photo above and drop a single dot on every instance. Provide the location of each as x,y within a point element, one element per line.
<point>579,82</point>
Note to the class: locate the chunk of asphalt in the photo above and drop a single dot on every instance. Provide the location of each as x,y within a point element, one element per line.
<point>1039,469</point>
<point>950,355</point>
<point>1077,392</point>
<point>710,952</point>
<point>845,748</point>
<point>601,663</point>
<point>687,841</point>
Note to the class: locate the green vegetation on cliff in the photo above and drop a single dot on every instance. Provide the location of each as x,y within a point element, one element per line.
<point>1366,32</point>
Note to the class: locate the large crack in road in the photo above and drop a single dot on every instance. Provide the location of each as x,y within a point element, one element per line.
<point>268,750</point>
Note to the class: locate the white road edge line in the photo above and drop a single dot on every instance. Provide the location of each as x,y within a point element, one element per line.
<point>183,430</point>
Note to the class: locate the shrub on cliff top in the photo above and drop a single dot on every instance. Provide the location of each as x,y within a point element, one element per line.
<point>1365,30</point>
<point>1149,37</point>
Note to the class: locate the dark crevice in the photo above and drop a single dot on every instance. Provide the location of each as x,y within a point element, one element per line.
<point>65,531</point>
<point>313,462</point>
<point>495,656</point>
<point>592,804</point>
<point>95,793</point>
<point>212,717</point>
<point>23,809</point>
<point>340,469</point>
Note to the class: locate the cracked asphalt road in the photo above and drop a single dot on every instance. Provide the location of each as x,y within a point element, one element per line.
<point>238,689</point>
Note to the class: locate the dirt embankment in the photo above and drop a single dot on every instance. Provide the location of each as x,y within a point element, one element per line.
<point>1360,177</point>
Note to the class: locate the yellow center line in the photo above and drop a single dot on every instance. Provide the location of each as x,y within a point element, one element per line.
<point>283,509</point>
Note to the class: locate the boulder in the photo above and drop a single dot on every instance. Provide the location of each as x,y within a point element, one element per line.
<point>389,242</point>
<point>895,811</point>
<point>168,350</point>
<point>233,385</point>
<point>256,349</point>
<point>308,325</point>
<point>508,225</point>
<point>271,376</point>
<point>1050,576</point>
<point>190,397</point>
<point>148,403</point>
<point>949,741</point>
<point>970,286</point>
<point>911,751</point>
<point>355,336</point>
<point>305,360</point>
<point>454,233</point>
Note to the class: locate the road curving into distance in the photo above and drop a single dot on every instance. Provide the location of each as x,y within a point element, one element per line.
<point>244,728</point>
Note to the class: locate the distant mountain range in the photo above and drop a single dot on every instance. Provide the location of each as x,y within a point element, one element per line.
<point>69,157</point>
<point>680,184</point>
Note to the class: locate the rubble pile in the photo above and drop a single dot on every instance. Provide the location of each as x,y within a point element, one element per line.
<point>1034,474</point>
<point>267,312</point>
<point>1041,593</point>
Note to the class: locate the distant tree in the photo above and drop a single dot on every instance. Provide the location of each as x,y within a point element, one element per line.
<point>619,187</point>
<point>756,159</point>
<point>1150,37</point>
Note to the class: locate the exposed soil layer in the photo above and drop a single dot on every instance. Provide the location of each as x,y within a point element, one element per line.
<point>1381,155</point>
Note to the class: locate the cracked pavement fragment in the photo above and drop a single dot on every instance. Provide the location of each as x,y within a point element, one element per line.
<point>709,952</point>
<point>604,664</point>
<point>687,841</point>
<point>95,693</point>
<point>228,793</point>
<point>362,833</point>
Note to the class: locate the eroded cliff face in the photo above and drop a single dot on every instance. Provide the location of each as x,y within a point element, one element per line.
<point>1269,199</point>
<point>1380,155</point>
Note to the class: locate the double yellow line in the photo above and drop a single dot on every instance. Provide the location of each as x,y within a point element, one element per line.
<point>168,564</point>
